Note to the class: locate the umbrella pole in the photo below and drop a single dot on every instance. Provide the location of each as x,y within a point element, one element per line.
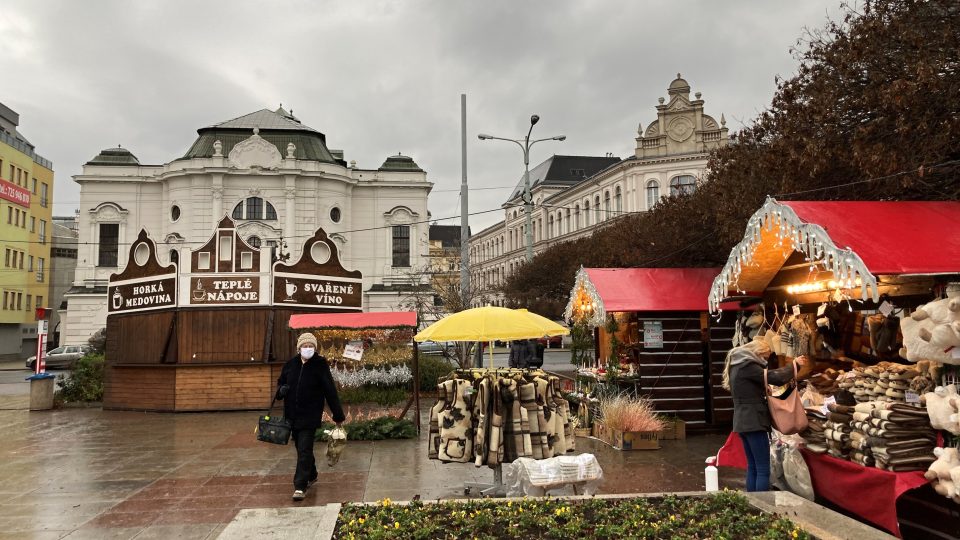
<point>491,355</point>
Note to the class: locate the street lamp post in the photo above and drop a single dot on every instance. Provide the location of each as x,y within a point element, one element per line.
<point>525,144</point>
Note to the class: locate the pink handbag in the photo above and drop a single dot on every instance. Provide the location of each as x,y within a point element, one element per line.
<point>786,413</point>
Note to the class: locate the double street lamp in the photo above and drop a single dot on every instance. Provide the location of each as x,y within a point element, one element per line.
<point>525,145</point>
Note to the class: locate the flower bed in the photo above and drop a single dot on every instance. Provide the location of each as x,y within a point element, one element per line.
<point>721,515</point>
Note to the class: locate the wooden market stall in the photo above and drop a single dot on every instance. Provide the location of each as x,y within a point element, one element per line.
<point>382,338</point>
<point>842,278</point>
<point>673,351</point>
<point>210,333</point>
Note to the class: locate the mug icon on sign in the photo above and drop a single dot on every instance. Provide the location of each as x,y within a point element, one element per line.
<point>291,290</point>
<point>199,293</point>
<point>117,299</point>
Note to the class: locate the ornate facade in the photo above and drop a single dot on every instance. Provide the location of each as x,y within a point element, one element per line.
<point>670,157</point>
<point>277,180</point>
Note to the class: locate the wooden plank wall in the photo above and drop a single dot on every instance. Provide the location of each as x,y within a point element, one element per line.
<point>138,338</point>
<point>221,335</point>
<point>139,388</point>
<point>672,377</point>
<point>224,387</point>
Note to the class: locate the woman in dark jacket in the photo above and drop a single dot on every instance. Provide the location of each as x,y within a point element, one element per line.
<point>304,385</point>
<point>743,377</point>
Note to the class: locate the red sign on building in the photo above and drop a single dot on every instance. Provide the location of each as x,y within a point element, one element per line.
<point>14,193</point>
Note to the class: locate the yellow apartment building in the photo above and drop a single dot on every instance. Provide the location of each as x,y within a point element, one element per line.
<point>26,190</point>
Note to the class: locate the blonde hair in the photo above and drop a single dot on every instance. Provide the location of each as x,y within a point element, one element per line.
<point>758,347</point>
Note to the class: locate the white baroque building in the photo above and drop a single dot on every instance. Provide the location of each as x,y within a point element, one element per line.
<point>575,195</point>
<point>278,180</point>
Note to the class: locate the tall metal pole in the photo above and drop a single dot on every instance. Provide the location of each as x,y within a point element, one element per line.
<point>464,208</point>
<point>528,198</point>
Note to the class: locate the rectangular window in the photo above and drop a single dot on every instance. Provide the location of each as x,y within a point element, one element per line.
<point>29,303</point>
<point>34,190</point>
<point>43,235</point>
<point>246,260</point>
<point>40,301</point>
<point>12,170</point>
<point>21,260</point>
<point>19,301</point>
<point>203,260</point>
<point>109,243</point>
<point>5,293</point>
<point>9,215</point>
<point>33,224</point>
<point>401,246</point>
<point>40,265</point>
<point>226,248</point>
<point>6,258</point>
<point>43,195</point>
<point>30,264</point>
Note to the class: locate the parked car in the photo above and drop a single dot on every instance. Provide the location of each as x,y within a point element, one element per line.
<point>61,357</point>
<point>432,347</point>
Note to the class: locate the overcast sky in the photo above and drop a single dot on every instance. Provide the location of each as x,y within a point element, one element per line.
<point>385,77</point>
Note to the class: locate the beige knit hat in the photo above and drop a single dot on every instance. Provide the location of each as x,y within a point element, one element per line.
<point>305,338</point>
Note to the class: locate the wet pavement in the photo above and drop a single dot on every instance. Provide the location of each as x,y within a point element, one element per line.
<point>88,473</point>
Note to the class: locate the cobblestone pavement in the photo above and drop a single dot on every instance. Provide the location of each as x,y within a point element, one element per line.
<point>88,473</point>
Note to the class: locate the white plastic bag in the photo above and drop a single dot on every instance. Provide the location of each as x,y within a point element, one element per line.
<point>338,440</point>
<point>796,473</point>
<point>534,477</point>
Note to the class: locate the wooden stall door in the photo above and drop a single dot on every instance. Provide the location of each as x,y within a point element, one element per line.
<point>672,376</point>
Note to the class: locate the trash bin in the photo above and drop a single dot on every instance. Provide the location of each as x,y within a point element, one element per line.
<point>41,391</point>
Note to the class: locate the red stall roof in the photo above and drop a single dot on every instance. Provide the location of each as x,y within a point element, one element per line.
<point>379,319</point>
<point>653,289</point>
<point>891,237</point>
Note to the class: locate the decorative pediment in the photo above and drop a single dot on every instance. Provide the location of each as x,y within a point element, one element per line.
<point>108,211</point>
<point>144,284</point>
<point>318,279</point>
<point>255,153</point>
<point>142,260</point>
<point>400,215</point>
<point>226,251</point>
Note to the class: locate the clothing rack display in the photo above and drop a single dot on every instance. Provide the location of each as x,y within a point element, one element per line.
<point>494,416</point>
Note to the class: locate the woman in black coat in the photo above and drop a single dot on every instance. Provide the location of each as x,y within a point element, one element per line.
<point>305,384</point>
<point>743,377</point>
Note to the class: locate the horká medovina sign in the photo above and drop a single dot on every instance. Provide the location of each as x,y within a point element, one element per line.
<point>144,284</point>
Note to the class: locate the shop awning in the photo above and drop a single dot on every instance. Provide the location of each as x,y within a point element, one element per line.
<point>379,319</point>
<point>641,289</point>
<point>855,241</point>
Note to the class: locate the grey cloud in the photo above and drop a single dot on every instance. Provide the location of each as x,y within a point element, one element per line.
<point>382,77</point>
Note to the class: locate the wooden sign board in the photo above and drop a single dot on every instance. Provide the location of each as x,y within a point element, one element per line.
<point>144,284</point>
<point>317,279</point>
<point>225,289</point>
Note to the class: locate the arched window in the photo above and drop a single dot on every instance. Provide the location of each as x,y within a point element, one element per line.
<point>576,217</point>
<point>550,230</point>
<point>569,221</point>
<point>254,208</point>
<point>596,209</point>
<point>559,223</point>
<point>586,213</point>
<point>618,200</point>
<point>174,256</point>
<point>606,205</point>
<point>255,241</point>
<point>682,184</point>
<point>653,193</point>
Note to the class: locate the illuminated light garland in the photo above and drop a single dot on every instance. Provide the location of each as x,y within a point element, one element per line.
<point>808,238</point>
<point>585,303</point>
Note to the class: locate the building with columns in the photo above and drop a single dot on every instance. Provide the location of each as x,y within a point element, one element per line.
<point>573,196</point>
<point>278,181</point>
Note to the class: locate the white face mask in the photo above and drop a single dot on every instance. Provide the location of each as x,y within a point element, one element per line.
<point>307,352</point>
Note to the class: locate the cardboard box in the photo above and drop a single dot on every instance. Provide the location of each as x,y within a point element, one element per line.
<point>628,440</point>
<point>676,429</point>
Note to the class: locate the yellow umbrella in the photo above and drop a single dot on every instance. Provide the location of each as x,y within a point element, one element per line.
<point>490,323</point>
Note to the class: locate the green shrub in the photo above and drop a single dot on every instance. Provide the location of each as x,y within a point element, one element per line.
<point>85,381</point>
<point>378,429</point>
<point>432,368</point>
<point>373,394</point>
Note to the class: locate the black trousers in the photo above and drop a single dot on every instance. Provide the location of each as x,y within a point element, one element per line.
<point>306,464</point>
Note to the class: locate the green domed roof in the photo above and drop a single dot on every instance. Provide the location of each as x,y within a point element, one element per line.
<point>401,163</point>
<point>114,156</point>
<point>278,127</point>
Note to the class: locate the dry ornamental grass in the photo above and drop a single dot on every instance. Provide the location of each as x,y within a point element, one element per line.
<point>629,413</point>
